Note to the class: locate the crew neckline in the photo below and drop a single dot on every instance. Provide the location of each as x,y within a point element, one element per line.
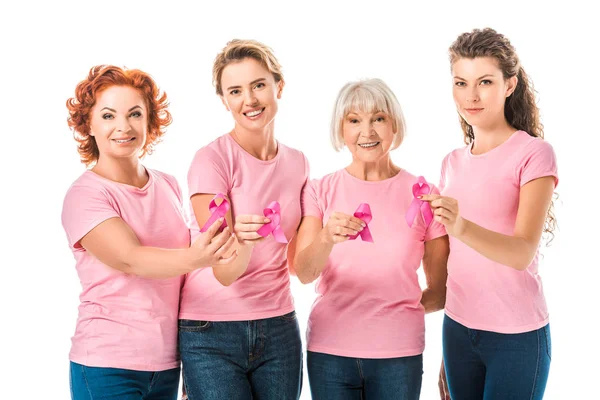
<point>127,186</point>
<point>258,160</point>
<point>510,138</point>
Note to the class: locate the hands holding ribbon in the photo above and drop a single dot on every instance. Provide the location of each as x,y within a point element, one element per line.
<point>446,212</point>
<point>341,227</point>
<point>213,248</point>
<point>246,228</point>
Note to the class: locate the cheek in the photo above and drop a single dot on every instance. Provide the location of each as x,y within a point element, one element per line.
<point>456,96</point>
<point>350,135</point>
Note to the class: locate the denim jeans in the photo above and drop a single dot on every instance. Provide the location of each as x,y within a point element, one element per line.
<point>495,366</point>
<point>98,383</point>
<point>239,360</point>
<point>345,378</point>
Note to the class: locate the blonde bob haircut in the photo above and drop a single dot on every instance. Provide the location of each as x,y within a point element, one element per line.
<point>369,96</point>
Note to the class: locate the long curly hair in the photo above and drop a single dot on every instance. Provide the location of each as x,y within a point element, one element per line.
<point>100,78</point>
<point>520,108</point>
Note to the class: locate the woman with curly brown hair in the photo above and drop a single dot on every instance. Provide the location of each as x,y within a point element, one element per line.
<point>130,240</point>
<point>495,203</point>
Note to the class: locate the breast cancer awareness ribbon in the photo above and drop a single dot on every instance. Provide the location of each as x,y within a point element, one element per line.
<point>273,212</point>
<point>363,212</point>
<point>217,211</point>
<point>418,189</point>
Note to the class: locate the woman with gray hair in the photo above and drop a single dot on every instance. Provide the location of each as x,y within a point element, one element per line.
<point>366,331</point>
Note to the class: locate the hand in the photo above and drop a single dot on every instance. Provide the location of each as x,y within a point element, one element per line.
<point>443,384</point>
<point>445,211</point>
<point>340,227</point>
<point>211,248</point>
<point>246,227</point>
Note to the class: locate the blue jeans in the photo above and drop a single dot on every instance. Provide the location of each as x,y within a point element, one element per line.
<point>98,383</point>
<point>345,378</point>
<point>239,360</point>
<point>495,366</point>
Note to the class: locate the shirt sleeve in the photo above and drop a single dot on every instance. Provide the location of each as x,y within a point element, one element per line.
<point>435,229</point>
<point>84,208</point>
<point>310,200</point>
<point>539,161</point>
<point>443,174</point>
<point>208,173</point>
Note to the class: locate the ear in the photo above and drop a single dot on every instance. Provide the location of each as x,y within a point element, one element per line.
<point>280,86</point>
<point>225,103</point>
<point>511,85</point>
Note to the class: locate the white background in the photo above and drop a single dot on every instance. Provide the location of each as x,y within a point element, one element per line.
<point>47,48</point>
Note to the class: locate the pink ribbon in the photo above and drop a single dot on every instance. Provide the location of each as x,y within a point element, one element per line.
<point>217,211</point>
<point>272,212</point>
<point>363,212</point>
<point>418,189</point>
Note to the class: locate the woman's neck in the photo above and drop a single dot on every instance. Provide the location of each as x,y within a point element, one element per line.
<point>127,171</point>
<point>259,144</point>
<point>375,171</point>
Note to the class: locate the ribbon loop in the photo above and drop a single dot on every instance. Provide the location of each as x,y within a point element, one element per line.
<point>418,189</point>
<point>363,212</point>
<point>273,212</point>
<point>217,211</point>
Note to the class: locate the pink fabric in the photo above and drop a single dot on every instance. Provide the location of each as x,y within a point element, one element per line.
<point>368,302</point>
<point>263,291</point>
<point>483,294</point>
<point>126,321</point>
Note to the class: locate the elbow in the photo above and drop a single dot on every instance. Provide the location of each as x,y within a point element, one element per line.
<point>304,277</point>
<point>224,279</point>
<point>522,263</point>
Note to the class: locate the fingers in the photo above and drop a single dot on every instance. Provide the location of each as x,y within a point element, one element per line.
<point>248,236</point>
<point>227,260</point>
<point>225,247</point>
<point>429,197</point>
<point>442,212</point>
<point>445,202</point>
<point>343,231</point>
<point>247,227</point>
<point>213,229</point>
<point>219,240</point>
<point>251,219</point>
<point>341,223</point>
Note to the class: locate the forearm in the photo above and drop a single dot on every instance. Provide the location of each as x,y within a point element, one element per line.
<point>228,273</point>
<point>433,300</point>
<point>514,252</point>
<point>152,262</point>
<point>311,261</point>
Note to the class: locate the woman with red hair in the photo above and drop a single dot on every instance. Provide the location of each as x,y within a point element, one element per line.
<point>128,234</point>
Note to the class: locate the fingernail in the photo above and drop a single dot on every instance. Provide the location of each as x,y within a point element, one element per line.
<point>267,220</point>
<point>220,219</point>
<point>419,197</point>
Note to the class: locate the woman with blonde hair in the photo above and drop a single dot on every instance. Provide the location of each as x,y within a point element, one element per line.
<point>239,337</point>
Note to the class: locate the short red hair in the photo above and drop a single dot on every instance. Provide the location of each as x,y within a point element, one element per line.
<point>100,78</point>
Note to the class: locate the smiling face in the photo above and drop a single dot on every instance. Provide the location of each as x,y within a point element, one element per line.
<point>368,135</point>
<point>251,94</point>
<point>119,122</point>
<point>480,90</point>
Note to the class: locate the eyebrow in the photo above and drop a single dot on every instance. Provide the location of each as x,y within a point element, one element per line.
<point>481,77</point>
<point>251,83</point>
<point>115,111</point>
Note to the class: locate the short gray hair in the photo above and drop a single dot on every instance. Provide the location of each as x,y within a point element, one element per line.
<point>369,95</point>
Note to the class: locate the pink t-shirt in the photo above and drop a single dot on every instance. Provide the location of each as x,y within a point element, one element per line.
<point>368,302</point>
<point>263,291</point>
<point>483,294</point>
<point>126,321</point>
